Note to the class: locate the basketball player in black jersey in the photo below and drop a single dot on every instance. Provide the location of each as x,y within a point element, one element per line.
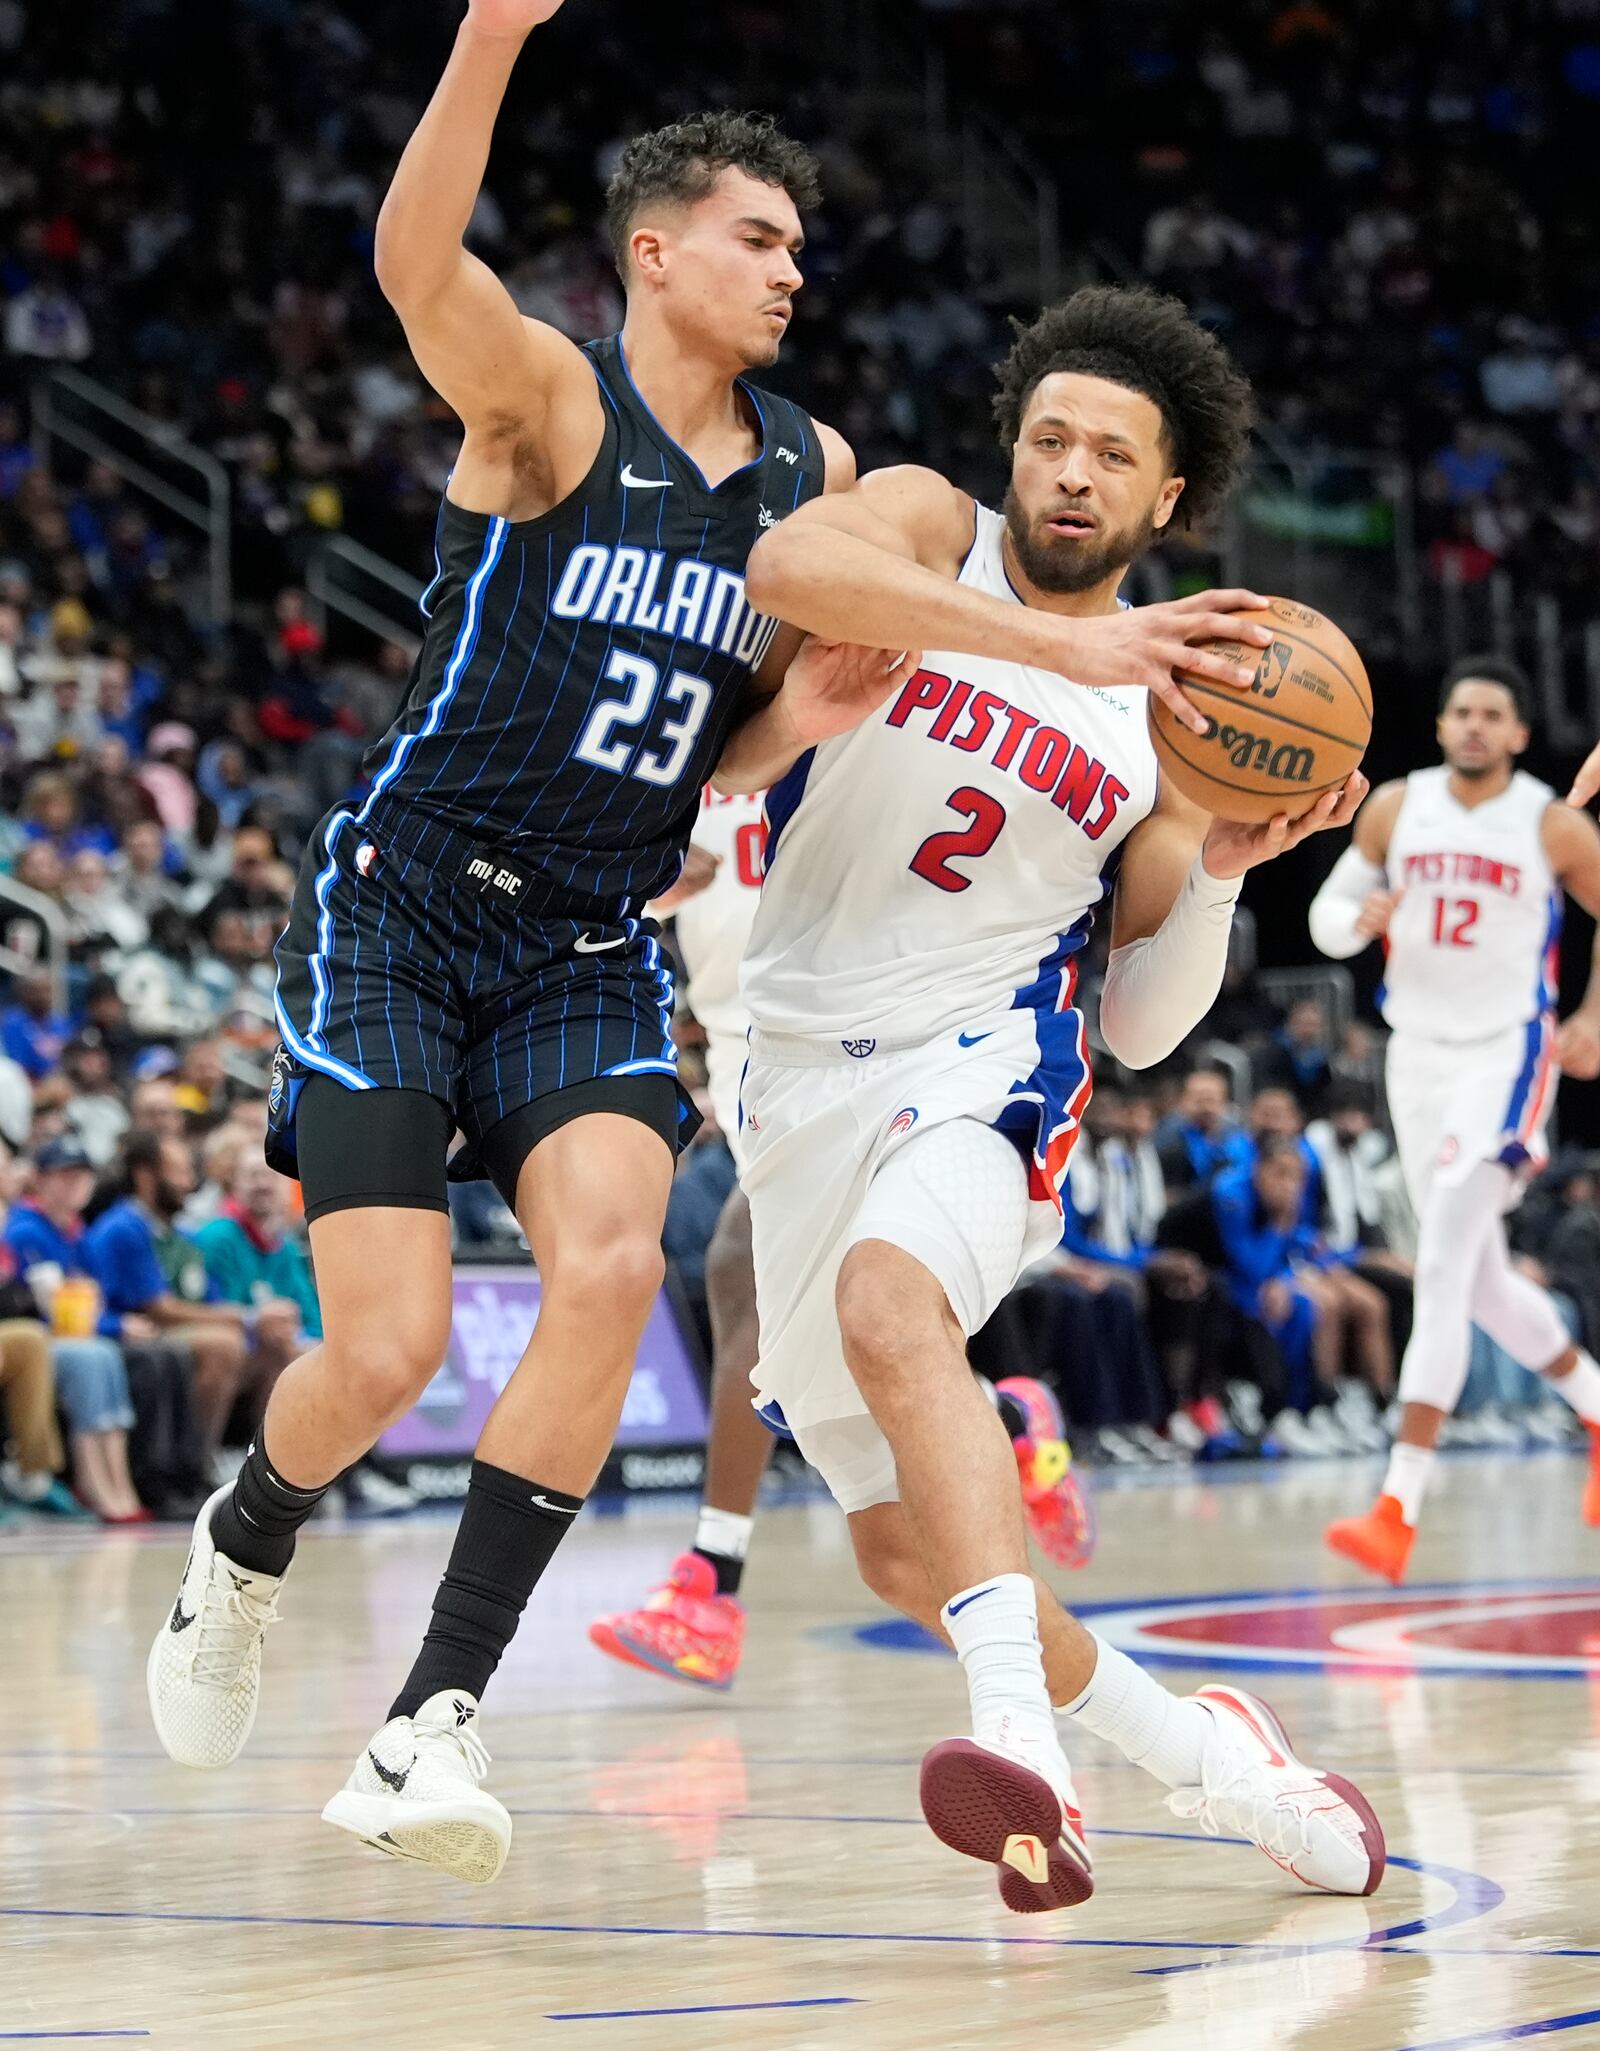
<point>465,948</point>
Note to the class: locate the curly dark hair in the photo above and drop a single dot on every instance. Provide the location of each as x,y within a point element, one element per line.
<point>1490,669</point>
<point>682,162</point>
<point>1148,342</point>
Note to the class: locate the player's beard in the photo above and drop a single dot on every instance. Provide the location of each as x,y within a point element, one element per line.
<point>1072,566</point>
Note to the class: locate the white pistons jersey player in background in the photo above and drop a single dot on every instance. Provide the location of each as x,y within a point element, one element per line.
<point>1460,869</point>
<point>917,1068</point>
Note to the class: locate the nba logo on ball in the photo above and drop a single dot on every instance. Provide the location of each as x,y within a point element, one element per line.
<point>903,1121</point>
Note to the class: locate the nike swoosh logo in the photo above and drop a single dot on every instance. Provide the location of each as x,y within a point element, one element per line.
<point>560,1509</point>
<point>396,1781</point>
<point>955,1608</point>
<point>632,483</point>
<point>972,1039</point>
<point>585,944</point>
<point>180,1622</point>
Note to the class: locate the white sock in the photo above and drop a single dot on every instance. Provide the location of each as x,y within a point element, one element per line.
<point>1580,1387</point>
<point>1161,1732</point>
<point>994,1626</point>
<point>720,1531</point>
<point>1407,1478</point>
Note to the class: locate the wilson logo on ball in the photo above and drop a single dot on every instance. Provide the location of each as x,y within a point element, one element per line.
<point>1284,763</point>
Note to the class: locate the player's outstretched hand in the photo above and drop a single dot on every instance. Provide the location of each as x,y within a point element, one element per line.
<point>1578,1047</point>
<point>831,686</point>
<point>1231,848</point>
<point>1587,780</point>
<point>1149,645</point>
<point>509,17</point>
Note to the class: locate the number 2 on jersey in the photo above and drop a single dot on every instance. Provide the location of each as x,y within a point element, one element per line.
<point>932,860</point>
<point>1453,921</point>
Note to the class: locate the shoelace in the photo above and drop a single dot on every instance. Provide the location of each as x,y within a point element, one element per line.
<point>1234,1787</point>
<point>229,1634</point>
<point>463,1741</point>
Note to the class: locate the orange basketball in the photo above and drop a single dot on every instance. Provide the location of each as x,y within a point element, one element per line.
<point>1298,731</point>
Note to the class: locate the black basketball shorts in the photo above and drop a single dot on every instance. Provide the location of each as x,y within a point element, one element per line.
<point>417,959</point>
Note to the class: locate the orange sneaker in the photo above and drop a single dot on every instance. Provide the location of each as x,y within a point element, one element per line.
<point>1058,1510</point>
<point>1591,1488</point>
<point>1381,1541</point>
<point>685,1629</point>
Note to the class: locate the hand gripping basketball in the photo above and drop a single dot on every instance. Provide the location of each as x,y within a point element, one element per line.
<point>509,17</point>
<point>1148,645</point>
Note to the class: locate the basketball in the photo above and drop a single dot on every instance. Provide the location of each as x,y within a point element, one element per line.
<point>1298,731</point>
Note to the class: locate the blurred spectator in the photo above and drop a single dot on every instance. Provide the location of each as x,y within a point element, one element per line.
<point>154,1282</point>
<point>32,1033</point>
<point>1297,1057</point>
<point>1201,1138</point>
<point>250,1258</point>
<point>43,1242</point>
<point>96,1114</point>
<point>45,323</point>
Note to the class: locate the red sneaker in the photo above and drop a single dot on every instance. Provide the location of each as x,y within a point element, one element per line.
<point>685,1628</point>
<point>1057,1508</point>
<point>1381,1541</point>
<point>1591,1487</point>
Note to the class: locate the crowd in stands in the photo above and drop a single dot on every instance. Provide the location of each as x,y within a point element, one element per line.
<point>1371,204</point>
<point>186,210</point>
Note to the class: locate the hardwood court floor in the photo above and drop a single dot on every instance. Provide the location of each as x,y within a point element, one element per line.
<point>751,1871</point>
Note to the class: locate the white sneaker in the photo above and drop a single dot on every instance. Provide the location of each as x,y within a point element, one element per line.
<point>1010,1803</point>
<point>1314,1825</point>
<point>204,1670</point>
<point>1295,1437</point>
<point>415,1795</point>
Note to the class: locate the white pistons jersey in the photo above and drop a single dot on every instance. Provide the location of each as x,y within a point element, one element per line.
<point>714,925</point>
<point>938,867</point>
<point>1472,944</point>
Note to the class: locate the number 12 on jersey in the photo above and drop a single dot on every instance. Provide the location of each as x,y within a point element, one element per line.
<point>1453,921</point>
<point>986,816</point>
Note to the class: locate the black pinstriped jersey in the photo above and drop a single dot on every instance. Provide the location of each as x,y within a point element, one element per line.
<point>581,672</point>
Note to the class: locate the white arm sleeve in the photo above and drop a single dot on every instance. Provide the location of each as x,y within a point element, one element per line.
<point>1157,990</point>
<point>1337,905</point>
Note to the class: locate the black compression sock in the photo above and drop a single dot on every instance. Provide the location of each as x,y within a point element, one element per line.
<point>729,1571</point>
<point>508,1534</point>
<point>1012,1415</point>
<point>256,1525</point>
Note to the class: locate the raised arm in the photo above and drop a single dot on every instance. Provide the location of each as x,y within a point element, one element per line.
<point>1177,885</point>
<point>1355,904</point>
<point>508,378</point>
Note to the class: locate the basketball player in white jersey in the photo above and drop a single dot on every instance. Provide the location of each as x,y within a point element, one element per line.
<point>1460,871</point>
<point>918,1069</point>
<point>691,1628</point>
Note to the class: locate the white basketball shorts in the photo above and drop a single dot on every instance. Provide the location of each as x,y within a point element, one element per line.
<point>1453,1105</point>
<point>901,1146</point>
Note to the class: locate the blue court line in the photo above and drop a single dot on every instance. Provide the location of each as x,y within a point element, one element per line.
<point>64,2036</point>
<point>1514,2031</point>
<point>587,2015</point>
